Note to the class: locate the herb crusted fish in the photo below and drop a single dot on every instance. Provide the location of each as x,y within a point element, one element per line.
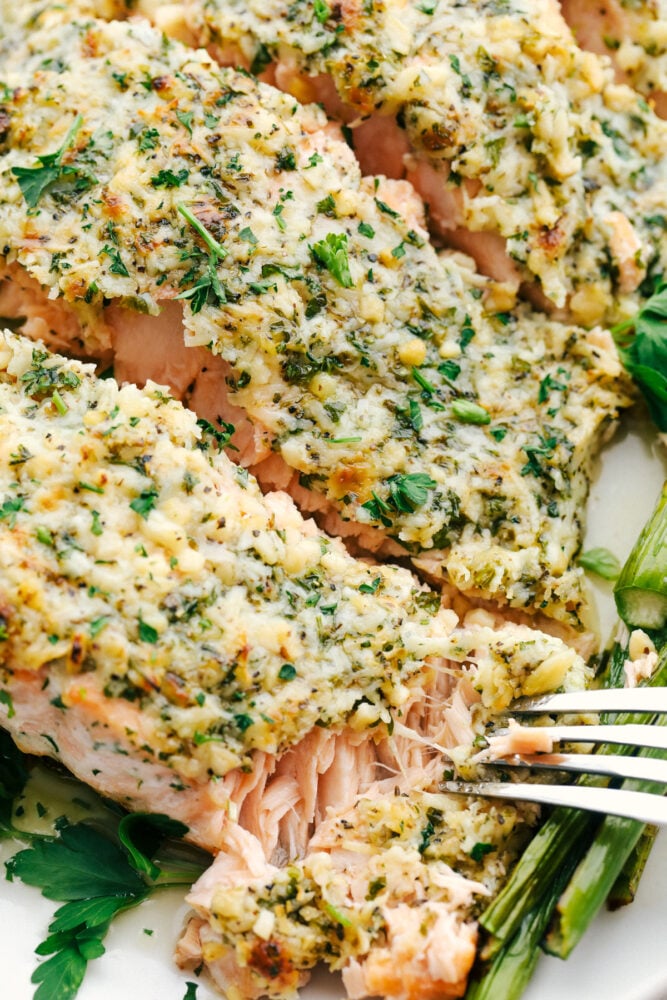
<point>387,377</point>
<point>528,152</point>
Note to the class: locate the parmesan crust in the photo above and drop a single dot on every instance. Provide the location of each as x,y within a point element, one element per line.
<point>372,362</point>
<point>530,136</point>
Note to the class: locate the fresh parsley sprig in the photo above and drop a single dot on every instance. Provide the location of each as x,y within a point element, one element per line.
<point>97,873</point>
<point>50,168</point>
<point>642,347</point>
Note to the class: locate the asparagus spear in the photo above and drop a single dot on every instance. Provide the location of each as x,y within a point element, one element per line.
<point>565,834</point>
<point>625,887</point>
<point>599,869</point>
<point>508,974</point>
<point>641,589</point>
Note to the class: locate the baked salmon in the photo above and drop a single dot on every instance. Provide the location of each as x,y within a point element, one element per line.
<point>521,142</point>
<point>396,386</point>
<point>633,35</point>
<point>184,644</point>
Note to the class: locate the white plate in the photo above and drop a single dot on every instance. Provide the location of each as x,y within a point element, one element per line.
<point>621,957</point>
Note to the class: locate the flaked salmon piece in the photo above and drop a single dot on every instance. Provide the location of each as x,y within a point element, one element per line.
<point>514,132</point>
<point>385,893</point>
<point>633,35</point>
<point>154,603</point>
<point>394,381</point>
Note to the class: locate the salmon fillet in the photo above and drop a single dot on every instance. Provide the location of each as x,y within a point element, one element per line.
<point>521,142</point>
<point>184,644</point>
<point>633,35</point>
<point>393,381</point>
<point>385,893</point>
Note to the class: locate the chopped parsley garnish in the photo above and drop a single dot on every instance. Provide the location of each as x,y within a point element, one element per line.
<point>34,181</point>
<point>98,624</point>
<point>144,503</point>
<point>299,368</point>
<point>117,265</point>
<point>480,850</point>
<point>470,413</point>
<point>405,493</point>
<point>149,139</point>
<point>185,118</point>
<point>387,209</point>
<point>147,633</point>
<point>321,11</point>
<point>332,253</point>
<point>287,672</point>
<point>40,380</point>
<point>10,508</point>
<point>602,562</point>
<point>285,160</point>
<point>370,588</point>
<point>221,437</point>
<point>261,60</point>
<point>366,230</point>
<point>208,289</point>
<point>168,179</point>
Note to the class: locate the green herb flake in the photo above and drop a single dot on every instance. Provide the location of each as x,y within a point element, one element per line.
<point>98,624</point>
<point>34,181</point>
<point>332,253</point>
<point>287,672</point>
<point>117,265</point>
<point>147,633</point>
<point>470,413</point>
<point>366,230</point>
<point>602,562</point>
<point>321,11</point>
<point>185,118</point>
<point>480,850</point>
<point>144,503</point>
<point>169,179</point>
<point>370,588</point>
<point>6,699</point>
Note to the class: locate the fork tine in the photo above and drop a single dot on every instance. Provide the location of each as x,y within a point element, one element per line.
<point>630,734</point>
<point>642,806</point>
<point>641,699</point>
<point>642,768</point>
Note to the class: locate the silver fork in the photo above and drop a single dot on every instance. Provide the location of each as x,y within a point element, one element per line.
<point>649,766</point>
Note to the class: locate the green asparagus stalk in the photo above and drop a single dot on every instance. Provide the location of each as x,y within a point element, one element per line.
<point>508,974</point>
<point>598,871</point>
<point>564,836</point>
<point>625,887</point>
<point>641,589</point>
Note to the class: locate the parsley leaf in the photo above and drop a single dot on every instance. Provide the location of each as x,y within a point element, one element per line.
<point>117,265</point>
<point>602,562</point>
<point>406,492</point>
<point>96,877</point>
<point>144,503</point>
<point>13,774</point>
<point>208,289</point>
<point>642,346</point>
<point>169,179</point>
<point>34,181</point>
<point>332,252</point>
